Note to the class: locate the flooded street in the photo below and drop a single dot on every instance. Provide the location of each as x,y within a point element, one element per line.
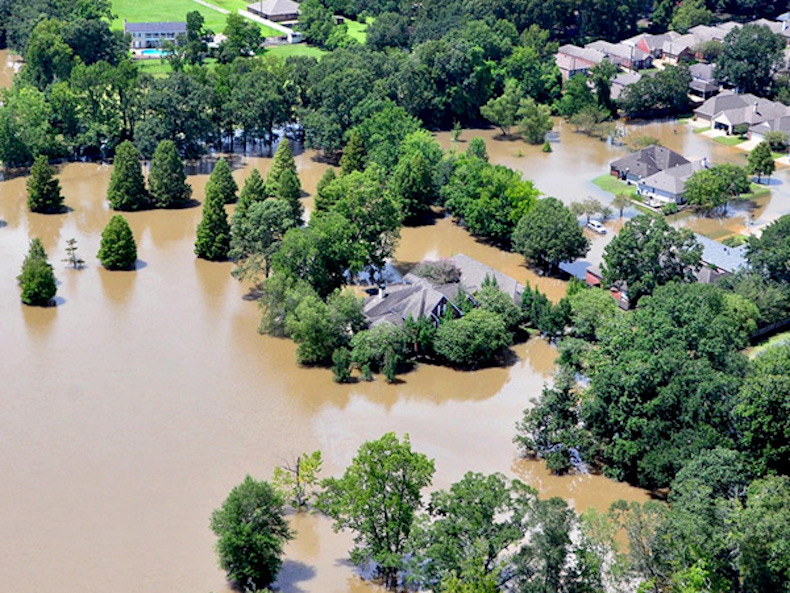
<point>135,405</point>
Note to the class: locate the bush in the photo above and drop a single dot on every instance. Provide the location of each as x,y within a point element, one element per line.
<point>118,249</point>
<point>441,272</point>
<point>740,129</point>
<point>777,140</point>
<point>490,298</point>
<point>252,532</point>
<point>670,208</point>
<point>473,340</point>
<point>37,280</point>
<point>379,345</point>
<point>341,365</point>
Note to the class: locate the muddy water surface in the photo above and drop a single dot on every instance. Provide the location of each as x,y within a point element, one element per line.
<point>131,408</point>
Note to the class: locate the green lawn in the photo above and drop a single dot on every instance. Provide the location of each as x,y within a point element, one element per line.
<point>700,130</point>
<point>776,340</point>
<point>614,186</point>
<point>758,190</point>
<point>357,30</point>
<point>176,10</point>
<point>296,49</point>
<point>729,140</point>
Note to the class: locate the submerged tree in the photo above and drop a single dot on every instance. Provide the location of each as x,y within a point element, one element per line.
<point>37,280</point>
<point>213,232</point>
<point>127,187</point>
<point>167,180</point>
<point>72,258</point>
<point>43,189</point>
<point>118,249</point>
<point>221,183</point>
<point>297,480</point>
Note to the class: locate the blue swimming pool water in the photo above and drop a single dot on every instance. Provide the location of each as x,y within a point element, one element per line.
<point>157,53</point>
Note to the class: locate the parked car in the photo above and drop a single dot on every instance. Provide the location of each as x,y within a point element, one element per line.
<point>596,226</point>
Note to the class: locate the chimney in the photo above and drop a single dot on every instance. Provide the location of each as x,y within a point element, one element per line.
<point>784,25</point>
<point>754,107</point>
<point>704,162</point>
<point>383,291</point>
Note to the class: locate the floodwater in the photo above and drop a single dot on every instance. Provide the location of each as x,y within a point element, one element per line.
<point>9,65</point>
<point>135,405</point>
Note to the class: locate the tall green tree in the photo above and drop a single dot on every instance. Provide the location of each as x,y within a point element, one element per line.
<point>257,234</point>
<point>712,188</point>
<point>751,55</point>
<point>195,46</point>
<point>502,111</point>
<point>769,253</point>
<point>289,189</point>
<point>167,180</point>
<point>549,235</point>
<point>37,280</point>
<point>43,189</point>
<point>221,182</point>
<point>648,253</point>
<point>690,13</point>
<point>473,340</point>
<point>315,22</point>
<point>252,531</point>
<point>118,250</point>
<point>353,158</point>
<point>213,232</point>
<point>127,187</point>
<point>242,38</point>
<point>534,121</point>
<point>48,58</point>
<point>283,161</point>
<point>377,499</point>
<point>254,190</point>
<point>761,161</point>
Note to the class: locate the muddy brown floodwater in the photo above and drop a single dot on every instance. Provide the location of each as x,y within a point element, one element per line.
<point>133,407</point>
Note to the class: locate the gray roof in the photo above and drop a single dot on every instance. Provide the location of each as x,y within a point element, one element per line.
<point>704,72</point>
<point>164,27</point>
<point>673,180</point>
<point>473,274</point>
<point>724,101</point>
<point>759,111</point>
<point>621,81</point>
<point>275,7</point>
<point>780,124</point>
<point>582,53</point>
<point>649,161</point>
<point>677,45</point>
<point>621,51</point>
<point>729,259</point>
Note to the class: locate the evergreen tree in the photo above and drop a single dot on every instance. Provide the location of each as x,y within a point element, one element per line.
<point>320,191</point>
<point>37,280</point>
<point>222,182</point>
<point>127,187</point>
<point>353,158</point>
<point>213,232</point>
<point>290,190</point>
<point>283,161</point>
<point>254,190</point>
<point>43,190</point>
<point>167,180</point>
<point>118,249</point>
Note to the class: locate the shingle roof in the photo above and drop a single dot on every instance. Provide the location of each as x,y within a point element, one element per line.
<point>649,161</point>
<point>729,259</point>
<point>703,72</point>
<point>163,27</point>
<point>672,180</point>
<point>275,7</point>
<point>474,273</point>
<point>780,124</point>
<point>722,102</point>
<point>618,50</point>
<point>621,81</point>
<point>582,53</point>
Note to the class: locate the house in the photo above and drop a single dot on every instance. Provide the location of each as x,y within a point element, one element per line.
<point>573,60</point>
<point>153,35</point>
<point>621,81</point>
<point>780,124</point>
<point>419,298</point>
<point>719,260</point>
<point>703,81</point>
<point>594,278</point>
<point>623,55</point>
<point>778,27</point>
<point>679,48</point>
<point>645,162</point>
<point>651,44</point>
<point>668,186</point>
<point>275,10</point>
<point>727,110</point>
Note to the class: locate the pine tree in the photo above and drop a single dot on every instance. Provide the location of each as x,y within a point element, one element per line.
<point>43,190</point>
<point>283,161</point>
<point>354,154</point>
<point>118,249</point>
<point>320,202</point>
<point>37,280</point>
<point>127,187</point>
<point>213,232</point>
<point>167,181</point>
<point>222,182</point>
<point>254,190</point>
<point>290,190</point>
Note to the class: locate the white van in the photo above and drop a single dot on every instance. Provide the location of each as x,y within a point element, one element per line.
<point>596,226</point>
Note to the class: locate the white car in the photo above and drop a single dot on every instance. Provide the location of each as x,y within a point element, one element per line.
<point>596,226</point>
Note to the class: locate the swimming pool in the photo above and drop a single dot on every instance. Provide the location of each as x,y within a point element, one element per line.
<point>153,53</point>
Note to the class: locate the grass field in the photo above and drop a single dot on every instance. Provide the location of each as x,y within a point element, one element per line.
<point>729,140</point>
<point>297,49</point>
<point>176,10</point>
<point>357,30</point>
<point>757,191</point>
<point>614,186</point>
<point>700,130</point>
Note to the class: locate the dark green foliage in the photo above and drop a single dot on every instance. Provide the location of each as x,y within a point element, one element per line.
<point>243,38</point>
<point>712,188</point>
<point>383,131</point>
<point>289,190</point>
<point>549,235</point>
<point>315,22</point>
<point>280,295</point>
<point>413,182</point>
<point>256,235</point>
<point>283,161</point>
<point>690,13</point>
<point>491,298</point>
<point>477,149</point>
<point>540,313</point>
<point>474,340</point>
<point>48,58</point>
<point>664,380</point>
<point>777,140</point>
<point>127,187</point>
<point>591,310</point>
<point>254,190</point>
<point>341,365</point>
<point>37,280</point>
<point>772,298</point>
<point>502,111</point>
<point>761,161</point>
<point>252,531</point>
<point>213,231</point>
<point>353,158</point>
<point>377,499</point>
<point>379,346</point>
<point>576,96</point>
<point>221,183</point>
<point>769,254</point>
<point>195,47</point>
<point>43,189</point>
<point>118,249</point>
<point>322,202</point>
<point>551,428</point>
<point>648,253</point>
<point>534,121</point>
<point>751,55</point>
<point>167,180</point>
<point>664,93</point>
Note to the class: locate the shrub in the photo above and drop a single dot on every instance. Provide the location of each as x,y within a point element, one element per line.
<point>670,208</point>
<point>473,340</point>
<point>43,190</point>
<point>37,280</point>
<point>118,249</point>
